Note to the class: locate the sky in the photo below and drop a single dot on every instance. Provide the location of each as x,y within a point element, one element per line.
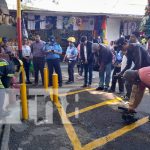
<point>129,7</point>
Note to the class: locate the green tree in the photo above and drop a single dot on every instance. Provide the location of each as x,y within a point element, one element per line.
<point>145,24</point>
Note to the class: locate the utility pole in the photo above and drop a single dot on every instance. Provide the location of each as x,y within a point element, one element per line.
<point>19,27</point>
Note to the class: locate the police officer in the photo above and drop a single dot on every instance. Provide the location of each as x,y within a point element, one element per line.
<point>53,52</point>
<point>7,70</point>
<point>71,57</point>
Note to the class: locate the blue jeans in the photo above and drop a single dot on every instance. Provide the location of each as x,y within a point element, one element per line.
<point>104,76</point>
<point>88,69</point>
<point>54,64</point>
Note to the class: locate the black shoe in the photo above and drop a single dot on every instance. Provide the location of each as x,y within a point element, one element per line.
<point>84,86</point>
<point>99,89</point>
<point>125,98</point>
<point>105,89</point>
<point>69,82</point>
<point>111,91</point>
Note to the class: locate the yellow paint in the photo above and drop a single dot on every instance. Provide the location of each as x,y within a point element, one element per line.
<point>75,92</point>
<point>108,102</point>
<point>46,78</point>
<point>67,124</point>
<point>55,87</point>
<point>68,127</point>
<point>104,140</point>
<point>51,93</point>
<point>25,115</point>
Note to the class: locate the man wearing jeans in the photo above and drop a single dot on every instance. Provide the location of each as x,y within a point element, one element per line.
<point>104,58</point>
<point>87,60</point>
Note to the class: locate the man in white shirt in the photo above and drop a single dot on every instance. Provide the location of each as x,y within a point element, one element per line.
<point>87,60</point>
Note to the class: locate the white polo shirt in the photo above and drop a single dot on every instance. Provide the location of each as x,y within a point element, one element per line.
<point>26,51</point>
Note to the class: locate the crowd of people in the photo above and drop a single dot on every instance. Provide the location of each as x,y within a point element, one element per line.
<point>118,57</point>
<point>125,61</point>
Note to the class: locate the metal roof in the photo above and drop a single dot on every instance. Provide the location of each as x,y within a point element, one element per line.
<point>86,7</point>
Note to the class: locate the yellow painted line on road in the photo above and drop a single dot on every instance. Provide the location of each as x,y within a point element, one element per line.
<point>104,140</point>
<point>108,102</point>
<point>68,127</point>
<point>75,92</point>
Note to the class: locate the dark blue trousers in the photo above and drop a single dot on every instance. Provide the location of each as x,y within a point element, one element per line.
<point>54,64</point>
<point>71,65</point>
<point>88,69</point>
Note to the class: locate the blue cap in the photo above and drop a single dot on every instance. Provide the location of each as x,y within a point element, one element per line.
<point>4,39</point>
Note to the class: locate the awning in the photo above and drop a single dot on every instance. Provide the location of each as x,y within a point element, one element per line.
<point>3,7</point>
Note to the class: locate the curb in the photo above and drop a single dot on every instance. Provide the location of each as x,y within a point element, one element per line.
<point>5,137</point>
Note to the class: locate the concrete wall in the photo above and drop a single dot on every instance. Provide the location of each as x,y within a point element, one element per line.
<point>113,28</point>
<point>8,31</point>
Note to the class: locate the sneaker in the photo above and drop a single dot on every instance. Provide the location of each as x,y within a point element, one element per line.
<point>120,93</point>
<point>110,90</point>
<point>126,98</point>
<point>69,82</point>
<point>99,89</point>
<point>84,86</point>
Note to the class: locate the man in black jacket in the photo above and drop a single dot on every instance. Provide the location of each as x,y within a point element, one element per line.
<point>87,59</point>
<point>135,53</point>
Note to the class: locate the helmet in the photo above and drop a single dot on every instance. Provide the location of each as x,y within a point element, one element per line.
<point>71,39</point>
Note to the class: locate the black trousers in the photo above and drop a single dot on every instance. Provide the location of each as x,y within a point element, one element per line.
<point>26,64</point>
<point>54,65</point>
<point>116,79</point>
<point>38,63</point>
<point>71,65</point>
<point>88,73</point>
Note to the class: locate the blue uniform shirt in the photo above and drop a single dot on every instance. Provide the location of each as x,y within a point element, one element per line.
<point>71,53</point>
<point>52,46</point>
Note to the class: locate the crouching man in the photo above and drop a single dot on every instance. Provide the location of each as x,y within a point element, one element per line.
<point>140,79</point>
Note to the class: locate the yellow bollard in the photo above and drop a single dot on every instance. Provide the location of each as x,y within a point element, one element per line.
<point>23,75</point>
<point>46,78</point>
<point>55,87</point>
<point>24,103</point>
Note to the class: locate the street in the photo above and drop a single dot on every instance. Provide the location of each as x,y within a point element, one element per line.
<point>91,121</point>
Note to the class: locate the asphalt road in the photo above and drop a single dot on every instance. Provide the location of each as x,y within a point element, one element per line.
<point>83,119</point>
